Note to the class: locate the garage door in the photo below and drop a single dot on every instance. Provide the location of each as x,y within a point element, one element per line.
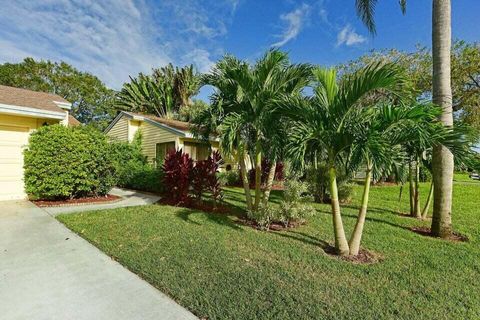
<point>12,141</point>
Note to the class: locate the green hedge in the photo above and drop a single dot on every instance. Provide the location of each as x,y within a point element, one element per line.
<point>62,162</point>
<point>132,169</point>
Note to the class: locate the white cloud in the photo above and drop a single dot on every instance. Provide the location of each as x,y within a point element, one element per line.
<point>113,38</point>
<point>349,37</point>
<point>201,59</point>
<point>295,21</point>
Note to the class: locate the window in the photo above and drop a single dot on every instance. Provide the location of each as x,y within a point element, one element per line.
<point>161,150</point>
<point>197,151</point>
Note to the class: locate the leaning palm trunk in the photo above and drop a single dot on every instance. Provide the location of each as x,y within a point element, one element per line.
<point>416,196</point>
<point>427,204</point>
<point>442,161</point>
<point>341,244</point>
<point>270,178</point>
<point>258,175</point>
<point>244,176</point>
<point>358,231</point>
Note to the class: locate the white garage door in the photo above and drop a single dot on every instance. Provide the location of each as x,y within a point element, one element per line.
<point>12,141</point>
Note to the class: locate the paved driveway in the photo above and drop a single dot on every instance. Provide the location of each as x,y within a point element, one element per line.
<point>48,272</point>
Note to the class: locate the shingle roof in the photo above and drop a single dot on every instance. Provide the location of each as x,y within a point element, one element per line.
<point>176,124</point>
<point>72,121</point>
<point>31,99</point>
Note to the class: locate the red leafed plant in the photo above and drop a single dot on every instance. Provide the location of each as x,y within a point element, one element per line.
<point>205,178</point>
<point>178,169</point>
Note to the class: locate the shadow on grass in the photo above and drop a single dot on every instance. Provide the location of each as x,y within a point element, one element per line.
<point>221,219</point>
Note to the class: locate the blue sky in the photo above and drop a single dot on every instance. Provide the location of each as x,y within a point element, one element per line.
<point>117,38</point>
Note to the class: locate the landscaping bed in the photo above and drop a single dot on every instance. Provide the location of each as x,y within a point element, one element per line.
<point>220,269</point>
<point>77,202</point>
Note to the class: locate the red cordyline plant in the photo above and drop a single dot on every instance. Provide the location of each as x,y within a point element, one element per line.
<point>205,178</point>
<point>177,168</point>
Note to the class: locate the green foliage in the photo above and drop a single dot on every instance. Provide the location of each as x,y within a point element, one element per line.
<point>317,179</point>
<point>163,93</point>
<point>132,169</point>
<point>93,102</point>
<point>62,162</point>
<point>189,112</point>
<point>294,208</point>
<point>229,178</point>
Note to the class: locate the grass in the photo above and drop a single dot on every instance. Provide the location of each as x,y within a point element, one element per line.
<point>219,269</point>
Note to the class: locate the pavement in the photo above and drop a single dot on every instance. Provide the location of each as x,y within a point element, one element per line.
<point>48,272</point>
<point>129,198</point>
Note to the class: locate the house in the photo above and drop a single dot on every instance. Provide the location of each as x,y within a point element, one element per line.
<point>21,112</point>
<point>159,135</point>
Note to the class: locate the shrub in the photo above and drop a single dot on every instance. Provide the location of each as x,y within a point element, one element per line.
<point>265,168</point>
<point>131,167</point>
<point>62,162</point>
<point>204,178</point>
<point>229,178</point>
<point>177,176</point>
<point>294,207</point>
<point>319,183</point>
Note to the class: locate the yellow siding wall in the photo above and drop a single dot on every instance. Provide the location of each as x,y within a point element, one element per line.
<point>120,130</point>
<point>151,135</point>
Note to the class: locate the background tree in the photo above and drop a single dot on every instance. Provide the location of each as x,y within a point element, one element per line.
<point>163,93</point>
<point>442,162</point>
<point>92,101</point>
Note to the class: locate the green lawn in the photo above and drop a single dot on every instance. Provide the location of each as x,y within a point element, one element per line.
<point>219,269</point>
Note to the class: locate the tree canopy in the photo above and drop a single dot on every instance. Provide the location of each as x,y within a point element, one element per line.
<point>92,101</point>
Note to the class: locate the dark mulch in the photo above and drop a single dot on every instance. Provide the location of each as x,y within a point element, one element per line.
<point>86,200</point>
<point>425,231</point>
<point>363,257</point>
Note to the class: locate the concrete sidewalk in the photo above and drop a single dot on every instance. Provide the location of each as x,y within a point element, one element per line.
<point>48,272</point>
<point>130,198</point>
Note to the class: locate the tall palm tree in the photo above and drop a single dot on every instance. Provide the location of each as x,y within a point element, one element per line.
<point>442,162</point>
<point>330,121</point>
<point>240,109</point>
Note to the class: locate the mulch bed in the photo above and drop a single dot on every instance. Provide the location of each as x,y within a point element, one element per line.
<point>363,257</point>
<point>80,201</point>
<point>425,231</point>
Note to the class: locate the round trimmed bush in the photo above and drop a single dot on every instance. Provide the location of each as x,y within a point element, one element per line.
<point>62,162</point>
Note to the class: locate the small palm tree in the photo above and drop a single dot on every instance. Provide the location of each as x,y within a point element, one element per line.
<point>240,109</point>
<point>329,122</point>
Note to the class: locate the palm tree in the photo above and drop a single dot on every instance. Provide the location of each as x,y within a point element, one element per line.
<point>330,121</point>
<point>442,163</point>
<point>240,110</point>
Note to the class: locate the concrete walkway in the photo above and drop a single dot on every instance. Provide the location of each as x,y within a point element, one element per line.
<point>48,272</point>
<point>130,198</point>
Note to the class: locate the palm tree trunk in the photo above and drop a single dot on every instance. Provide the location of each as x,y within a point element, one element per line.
<point>270,178</point>
<point>400,193</point>
<point>411,185</point>
<point>258,175</point>
<point>416,197</point>
<point>244,176</point>
<point>341,244</point>
<point>429,201</point>
<point>442,161</point>
<point>356,237</point>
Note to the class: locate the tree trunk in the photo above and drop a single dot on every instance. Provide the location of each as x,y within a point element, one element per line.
<point>416,196</point>
<point>400,193</point>
<point>244,176</point>
<point>442,158</point>
<point>411,185</point>
<point>270,178</point>
<point>341,244</point>
<point>429,201</point>
<point>258,175</point>
<point>356,237</point>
